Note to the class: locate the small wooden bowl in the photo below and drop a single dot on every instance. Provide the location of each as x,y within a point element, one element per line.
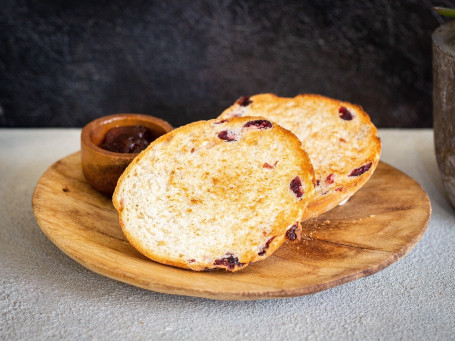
<point>101,167</point>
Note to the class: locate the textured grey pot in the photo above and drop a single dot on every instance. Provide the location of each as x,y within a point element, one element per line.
<point>444,104</point>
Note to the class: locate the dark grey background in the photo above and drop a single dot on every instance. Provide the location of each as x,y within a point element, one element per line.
<point>63,63</point>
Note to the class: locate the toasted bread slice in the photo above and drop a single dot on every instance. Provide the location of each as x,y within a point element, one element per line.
<point>339,137</point>
<point>215,194</point>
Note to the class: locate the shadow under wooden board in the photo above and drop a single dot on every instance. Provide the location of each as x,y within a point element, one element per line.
<point>380,224</point>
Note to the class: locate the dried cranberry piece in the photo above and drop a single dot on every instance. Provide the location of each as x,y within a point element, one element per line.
<point>318,182</point>
<point>226,135</point>
<point>266,246</point>
<point>293,233</point>
<point>259,124</point>
<point>330,179</point>
<point>220,122</point>
<point>345,113</point>
<point>229,261</point>
<point>267,165</point>
<point>339,189</point>
<point>360,170</point>
<point>296,187</point>
<point>244,101</point>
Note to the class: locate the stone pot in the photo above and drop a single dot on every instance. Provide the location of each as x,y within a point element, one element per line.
<point>444,104</point>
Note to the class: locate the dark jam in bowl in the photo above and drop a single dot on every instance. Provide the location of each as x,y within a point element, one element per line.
<point>127,139</point>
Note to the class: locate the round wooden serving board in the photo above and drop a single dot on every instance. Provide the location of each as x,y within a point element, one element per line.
<point>380,224</point>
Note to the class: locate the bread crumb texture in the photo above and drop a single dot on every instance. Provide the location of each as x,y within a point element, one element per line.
<point>339,137</point>
<point>201,198</point>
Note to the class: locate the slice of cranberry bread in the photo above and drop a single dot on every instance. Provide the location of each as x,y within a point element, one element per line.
<point>339,137</point>
<point>216,194</point>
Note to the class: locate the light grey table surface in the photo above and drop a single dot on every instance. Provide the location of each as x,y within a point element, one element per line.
<point>45,295</point>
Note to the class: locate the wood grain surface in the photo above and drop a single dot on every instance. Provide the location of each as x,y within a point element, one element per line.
<point>380,224</point>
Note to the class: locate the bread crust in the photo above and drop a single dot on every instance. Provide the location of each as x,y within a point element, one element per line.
<point>185,202</point>
<point>338,136</point>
